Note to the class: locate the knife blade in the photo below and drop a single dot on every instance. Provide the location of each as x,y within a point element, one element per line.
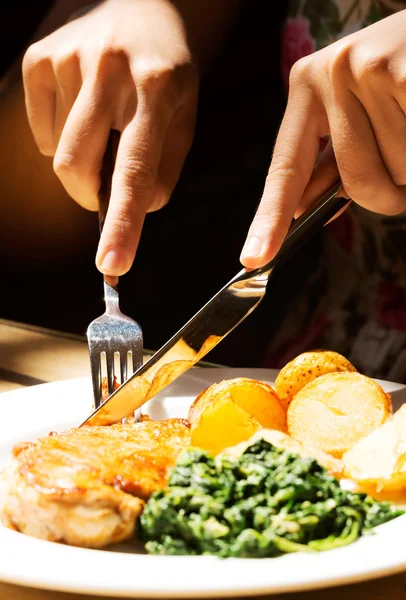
<point>212,323</point>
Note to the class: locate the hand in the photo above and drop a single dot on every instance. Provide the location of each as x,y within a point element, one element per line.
<point>123,65</point>
<point>355,92</point>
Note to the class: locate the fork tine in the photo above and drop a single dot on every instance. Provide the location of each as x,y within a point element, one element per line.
<point>137,360</point>
<point>110,370</point>
<point>136,363</point>
<point>123,365</point>
<point>95,368</point>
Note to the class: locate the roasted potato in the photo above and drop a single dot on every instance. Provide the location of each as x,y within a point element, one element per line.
<point>255,397</point>
<point>221,423</point>
<point>305,368</point>
<point>284,441</point>
<point>334,411</point>
<point>378,461</point>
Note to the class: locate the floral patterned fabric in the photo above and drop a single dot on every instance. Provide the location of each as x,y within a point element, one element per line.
<point>355,300</point>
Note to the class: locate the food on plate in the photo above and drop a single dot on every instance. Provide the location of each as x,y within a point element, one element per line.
<point>255,397</point>
<point>87,486</point>
<point>220,424</point>
<point>378,461</point>
<point>334,411</point>
<point>265,503</point>
<point>283,441</point>
<point>105,387</point>
<point>305,368</point>
<point>173,364</point>
<point>244,476</point>
<point>230,411</point>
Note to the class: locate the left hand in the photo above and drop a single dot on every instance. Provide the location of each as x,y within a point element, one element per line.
<point>124,65</point>
<point>355,92</point>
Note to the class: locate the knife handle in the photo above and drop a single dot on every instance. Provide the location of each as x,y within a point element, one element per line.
<point>306,226</point>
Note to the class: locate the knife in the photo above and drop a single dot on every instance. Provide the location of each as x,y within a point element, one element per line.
<point>227,309</point>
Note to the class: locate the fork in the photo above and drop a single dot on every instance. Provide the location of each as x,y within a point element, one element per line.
<point>114,339</point>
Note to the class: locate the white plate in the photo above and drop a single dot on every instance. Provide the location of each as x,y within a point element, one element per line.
<point>30,412</point>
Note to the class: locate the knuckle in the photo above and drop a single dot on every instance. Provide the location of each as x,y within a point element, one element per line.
<point>80,183</point>
<point>70,165</point>
<point>340,54</point>
<point>301,71</point>
<point>64,164</point>
<point>110,58</point>
<point>284,171</point>
<point>33,57</point>
<point>155,76</point>
<point>175,79</point>
<point>136,171</point>
<point>66,58</point>
<point>368,66</point>
<point>376,65</point>
<point>339,60</point>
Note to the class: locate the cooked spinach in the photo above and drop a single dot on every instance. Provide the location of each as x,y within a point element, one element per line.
<point>265,503</point>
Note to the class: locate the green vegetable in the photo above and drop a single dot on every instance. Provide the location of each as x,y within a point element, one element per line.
<point>266,503</point>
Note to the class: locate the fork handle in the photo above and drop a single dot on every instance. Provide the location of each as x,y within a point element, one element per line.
<point>106,175</point>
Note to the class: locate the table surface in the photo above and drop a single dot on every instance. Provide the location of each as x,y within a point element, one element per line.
<point>30,355</point>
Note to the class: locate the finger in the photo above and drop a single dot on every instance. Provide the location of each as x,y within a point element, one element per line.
<point>389,126</point>
<point>62,111</point>
<point>68,79</point>
<point>292,164</point>
<point>82,144</point>
<point>39,89</point>
<point>178,141</point>
<point>364,175</point>
<point>324,176</point>
<point>133,186</point>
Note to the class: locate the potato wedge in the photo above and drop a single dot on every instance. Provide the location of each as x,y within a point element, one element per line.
<point>378,461</point>
<point>284,441</point>
<point>334,411</point>
<point>305,368</point>
<point>221,423</point>
<point>255,397</point>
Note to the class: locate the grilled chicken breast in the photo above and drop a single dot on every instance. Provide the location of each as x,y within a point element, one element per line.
<point>87,486</point>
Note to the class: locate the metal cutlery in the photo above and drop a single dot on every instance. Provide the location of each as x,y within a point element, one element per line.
<point>231,305</point>
<point>114,339</point>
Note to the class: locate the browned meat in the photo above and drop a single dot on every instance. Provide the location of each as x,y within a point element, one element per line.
<point>87,486</point>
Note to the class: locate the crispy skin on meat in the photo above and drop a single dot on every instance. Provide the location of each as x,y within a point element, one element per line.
<point>87,486</point>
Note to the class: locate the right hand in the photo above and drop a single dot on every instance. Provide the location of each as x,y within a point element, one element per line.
<point>354,92</point>
<point>123,65</point>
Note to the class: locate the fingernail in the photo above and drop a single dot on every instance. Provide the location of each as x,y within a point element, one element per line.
<point>252,248</point>
<point>111,264</point>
